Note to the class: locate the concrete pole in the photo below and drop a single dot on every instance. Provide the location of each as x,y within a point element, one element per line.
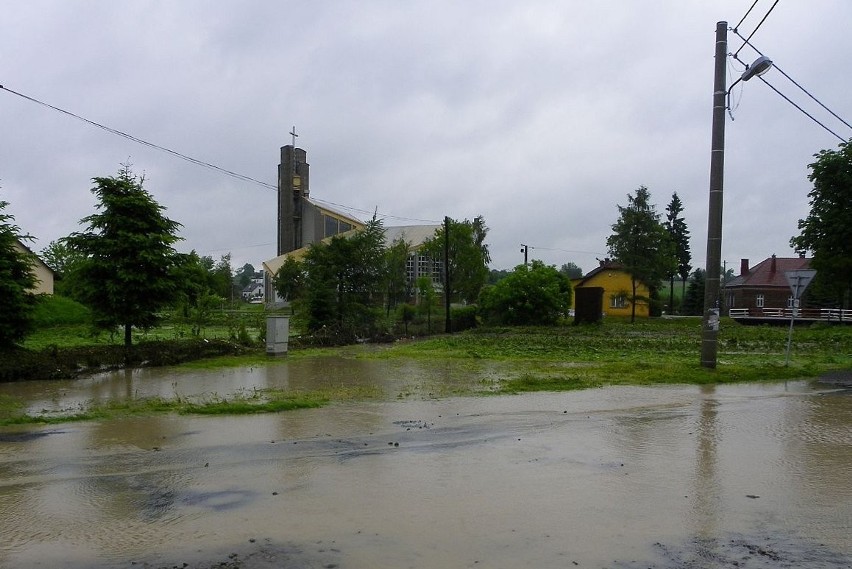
<point>710,324</point>
<point>448,327</point>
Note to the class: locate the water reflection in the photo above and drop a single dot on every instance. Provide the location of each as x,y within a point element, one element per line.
<point>666,477</point>
<point>705,489</point>
<point>390,378</point>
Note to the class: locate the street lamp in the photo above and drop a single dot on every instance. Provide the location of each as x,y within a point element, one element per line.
<point>710,322</point>
<point>760,66</point>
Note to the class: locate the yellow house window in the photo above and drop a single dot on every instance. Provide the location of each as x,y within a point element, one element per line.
<point>619,301</point>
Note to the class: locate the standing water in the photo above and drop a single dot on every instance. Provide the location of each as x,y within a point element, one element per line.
<point>665,477</point>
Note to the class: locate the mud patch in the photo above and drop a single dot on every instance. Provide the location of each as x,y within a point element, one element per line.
<point>26,436</point>
<point>257,554</point>
<point>746,552</point>
<point>842,379</point>
<point>218,501</point>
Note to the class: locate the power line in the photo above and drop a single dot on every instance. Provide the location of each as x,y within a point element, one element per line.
<point>793,81</point>
<point>378,214</point>
<point>192,160</point>
<point>746,15</point>
<point>758,24</point>
<point>567,250</point>
<point>144,142</point>
<point>786,98</point>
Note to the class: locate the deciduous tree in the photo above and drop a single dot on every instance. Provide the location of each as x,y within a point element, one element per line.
<point>534,294</point>
<point>396,283</point>
<point>289,279</point>
<point>344,280</point>
<point>468,256</point>
<point>571,270</point>
<point>827,231</point>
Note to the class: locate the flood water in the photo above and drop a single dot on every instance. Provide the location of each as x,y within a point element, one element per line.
<point>754,475</point>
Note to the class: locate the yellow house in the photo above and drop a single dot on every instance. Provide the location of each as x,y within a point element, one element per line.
<point>42,273</point>
<point>617,289</point>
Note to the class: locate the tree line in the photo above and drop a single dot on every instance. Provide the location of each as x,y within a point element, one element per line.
<point>124,267</point>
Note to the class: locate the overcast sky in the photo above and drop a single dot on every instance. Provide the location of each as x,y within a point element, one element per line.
<point>540,116</point>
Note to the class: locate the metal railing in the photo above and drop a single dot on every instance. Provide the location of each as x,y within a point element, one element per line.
<point>827,314</point>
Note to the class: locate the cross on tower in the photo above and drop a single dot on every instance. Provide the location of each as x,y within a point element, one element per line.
<point>294,135</point>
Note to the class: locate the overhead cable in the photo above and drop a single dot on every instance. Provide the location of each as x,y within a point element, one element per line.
<point>145,142</point>
<point>793,81</point>
<point>367,212</point>
<point>786,98</point>
<point>758,24</point>
<point>746,15</point>
<point>189,158</point>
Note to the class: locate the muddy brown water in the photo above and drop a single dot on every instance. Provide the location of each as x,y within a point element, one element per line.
<point>675,476</point>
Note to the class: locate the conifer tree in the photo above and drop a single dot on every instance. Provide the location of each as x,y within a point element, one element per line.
<point>17,282</point>
<point>641,244</point>
<point>126,271</point>
<point>679,234</point>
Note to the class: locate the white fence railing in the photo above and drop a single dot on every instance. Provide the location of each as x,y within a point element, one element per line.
<point>827,314</point>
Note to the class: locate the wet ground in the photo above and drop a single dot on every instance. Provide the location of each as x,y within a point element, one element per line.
<point>748,476</point>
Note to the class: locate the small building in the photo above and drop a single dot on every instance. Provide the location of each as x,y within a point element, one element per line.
<point>253,292</point>
<point>764,286</point>
<point>617,287</point>
<point>43,274</point>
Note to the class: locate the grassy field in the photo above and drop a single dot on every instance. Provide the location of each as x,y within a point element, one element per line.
<point>615,352</point>
<point>647,352</point>
<point>63,323</point>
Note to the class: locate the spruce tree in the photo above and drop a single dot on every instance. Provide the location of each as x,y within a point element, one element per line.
<point>641,244</point>
<point>126,271</point>
<point>17,282</point>
<point>679,234</point>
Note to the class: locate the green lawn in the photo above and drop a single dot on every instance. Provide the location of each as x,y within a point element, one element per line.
<point>650,351</point>
<point>615,352</point>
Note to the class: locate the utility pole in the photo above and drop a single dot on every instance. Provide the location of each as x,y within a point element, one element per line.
<point>710,324</point>
<point>525,251</point>
<point>447,324</point>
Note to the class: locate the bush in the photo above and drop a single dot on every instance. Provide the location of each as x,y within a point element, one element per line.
<point>537,294</point>
<point>463,318</point>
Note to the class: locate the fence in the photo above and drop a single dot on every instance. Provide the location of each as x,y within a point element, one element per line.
<point>824,314</point>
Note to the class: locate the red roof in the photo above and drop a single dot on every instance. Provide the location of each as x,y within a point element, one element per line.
<point>770,272</point>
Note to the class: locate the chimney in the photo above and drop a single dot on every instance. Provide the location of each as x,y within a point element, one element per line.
<point>773,264</point>
<point>743,267</point>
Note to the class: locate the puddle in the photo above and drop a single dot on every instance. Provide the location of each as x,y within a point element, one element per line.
<point>746,476</point>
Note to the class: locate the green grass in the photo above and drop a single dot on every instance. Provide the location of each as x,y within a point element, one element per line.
<point>244,403</point>
<point>523,359</point>
<point>648,352</point>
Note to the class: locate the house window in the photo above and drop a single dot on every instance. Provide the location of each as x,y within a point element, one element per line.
<point>791,302</point>
<point>619,301</point>
<point>409,268</point>
<point>758,302</point>
<point>331,227</point>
